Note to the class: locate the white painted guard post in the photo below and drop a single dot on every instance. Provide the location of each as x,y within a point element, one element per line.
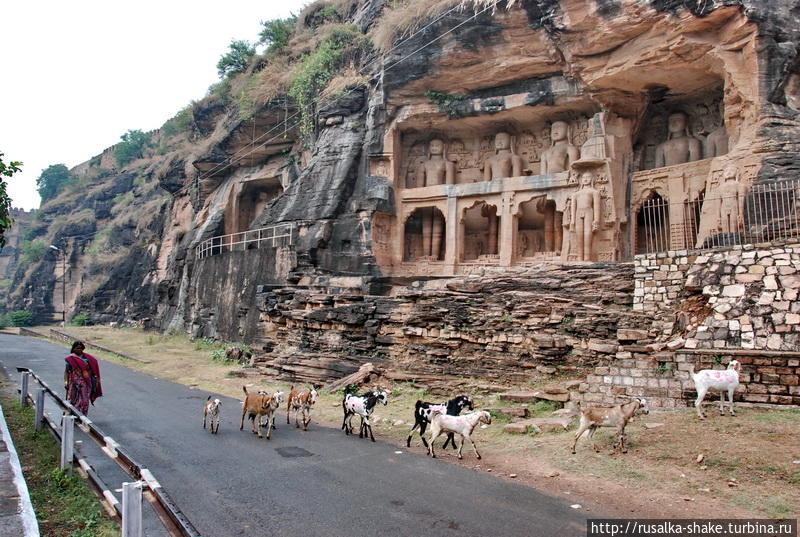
<point>23,388</point>
<point>132,509</point>
<point>39,410</point>
<point>67,440</point>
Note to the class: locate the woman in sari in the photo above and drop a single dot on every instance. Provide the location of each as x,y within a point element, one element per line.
<point>82,378</point>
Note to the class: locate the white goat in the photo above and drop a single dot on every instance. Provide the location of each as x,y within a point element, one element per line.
<point>618,416</point>
<point>460,425</point>
<point>211,412</point>
<point>716,380</point>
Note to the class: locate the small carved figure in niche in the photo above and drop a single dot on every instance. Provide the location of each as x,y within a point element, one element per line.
<point>504,163</point>
<point>717,143</point>
<point>436,170</point>
<point>731,194</point>
<point>680,147</point>
<point>586,215</point>
<point>561,152</point>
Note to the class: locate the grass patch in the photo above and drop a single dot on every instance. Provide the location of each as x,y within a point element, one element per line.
<point>62,501</point>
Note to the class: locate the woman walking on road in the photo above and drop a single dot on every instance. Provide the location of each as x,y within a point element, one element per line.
<point>82,378</point>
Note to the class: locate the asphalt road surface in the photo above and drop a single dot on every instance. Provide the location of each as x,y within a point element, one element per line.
<point>299,484</point>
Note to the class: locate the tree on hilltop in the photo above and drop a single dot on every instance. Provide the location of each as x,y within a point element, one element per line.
<point>6,170</point>
<point>52,180</point>
<point>236,59</point>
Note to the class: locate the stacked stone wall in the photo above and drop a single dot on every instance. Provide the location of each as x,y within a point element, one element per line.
<point>664,378</point>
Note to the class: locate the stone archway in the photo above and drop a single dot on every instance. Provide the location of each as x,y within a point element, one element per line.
<point>480,232</point>
<point>652,225</point>
<point>424,235</point>
<point>539,228</point>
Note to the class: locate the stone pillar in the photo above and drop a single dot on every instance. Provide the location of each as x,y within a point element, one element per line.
<point>437,231</point>
<point>549,227</point>
<point>559,231</point>
<point>508,226</point>
<point>451,248</point>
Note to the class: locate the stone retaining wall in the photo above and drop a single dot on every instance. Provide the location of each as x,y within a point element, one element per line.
<point>743,298</point>
<point>664,378</point>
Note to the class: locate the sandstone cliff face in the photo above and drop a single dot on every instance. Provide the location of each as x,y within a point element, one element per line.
<point>337,286</point>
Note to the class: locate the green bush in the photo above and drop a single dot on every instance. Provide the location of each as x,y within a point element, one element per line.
<point>79,319</point>
<point>20,318</point>
<point>180,122</point>
<point>95,160</point>
<point>33,251</point>
<point>236,59</point>
<point>133,145</point>
<point>51,181</point>
<point>319,67</point>
<point>276,33</point>
<point>3,322</point>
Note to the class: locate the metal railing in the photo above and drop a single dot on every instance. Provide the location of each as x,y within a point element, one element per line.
<point>176,524</point>
<point>271,236</point>
<point>765,213</point>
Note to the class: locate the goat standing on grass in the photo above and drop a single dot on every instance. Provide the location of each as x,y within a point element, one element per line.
<point>424,410</point>
<point>363,405</point>
<point>301,402</point>
<point>716,380</point>
<point>618,416</point>
<point>211,412</point>
<point>460,425</point>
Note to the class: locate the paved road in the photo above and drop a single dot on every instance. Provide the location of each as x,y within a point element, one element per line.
<point>317,483</point>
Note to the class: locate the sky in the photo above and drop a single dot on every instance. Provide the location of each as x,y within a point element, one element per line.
<point>78,75</point>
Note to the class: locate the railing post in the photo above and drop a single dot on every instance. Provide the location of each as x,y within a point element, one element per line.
<point>23,388</point>
<point>132,509</point>
<point>67,440</point>
<point>39,410</point>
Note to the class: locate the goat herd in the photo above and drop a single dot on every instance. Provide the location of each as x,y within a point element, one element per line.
<point>260,408</point>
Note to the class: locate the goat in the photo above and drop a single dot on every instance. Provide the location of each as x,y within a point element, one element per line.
<point>424,410</point>
<point>273,404</point>
<point>617,416</point>
<point>363,405</point>
<point>301,402</point>
<point>716,380</point>
<point>211,411</point>
<point>257,405</point>
<point>460,425</point>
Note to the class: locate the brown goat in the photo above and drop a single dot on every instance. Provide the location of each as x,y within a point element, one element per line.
<point>255,405</point>
<point>301,401</point>
<point>617,416</point>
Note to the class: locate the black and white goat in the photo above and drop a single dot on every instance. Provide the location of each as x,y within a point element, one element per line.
<point>423,412</point>
<point>363,405</point>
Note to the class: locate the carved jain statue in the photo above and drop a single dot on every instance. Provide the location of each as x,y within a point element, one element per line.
<point>731,204</point>
<point>561,153</point>
<point>504,163</point>
<point>585,216</point>
<point>436,170</point>
<point>717,143</point>
<point>679,147</point>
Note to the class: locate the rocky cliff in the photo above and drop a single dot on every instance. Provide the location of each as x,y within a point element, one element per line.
<point>286,214</point>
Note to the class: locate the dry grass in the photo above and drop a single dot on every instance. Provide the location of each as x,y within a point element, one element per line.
<point>757,448</point>
<point>348,78</point>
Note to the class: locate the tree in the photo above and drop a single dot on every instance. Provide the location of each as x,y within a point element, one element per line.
<point>236,59</point>
<point>132,146</point>
<point>6,170</point>
<point>276,33</point>
<point>52,180</point>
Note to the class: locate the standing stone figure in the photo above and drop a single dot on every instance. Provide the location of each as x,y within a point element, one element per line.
<point>561,153</point>
<point>679,147</point>
<point>504,163</point>
<point>436,170</point>
<point>731,204</point>
<point>566,222</point>
<point>585,216</point>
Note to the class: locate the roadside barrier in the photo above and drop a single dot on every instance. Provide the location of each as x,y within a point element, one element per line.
<point>145,484</point>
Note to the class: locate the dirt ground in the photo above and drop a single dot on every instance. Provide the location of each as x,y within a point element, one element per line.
<point>750,463</point>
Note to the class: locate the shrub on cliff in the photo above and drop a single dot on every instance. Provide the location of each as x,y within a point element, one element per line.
<point>6,170</point>
<point>133,145</point>
<point>52,180</point>
<point>20,318</point>
<point>343,44</point>
<point>275,33</point>
<point>236,59</point>
<point>33,251</point>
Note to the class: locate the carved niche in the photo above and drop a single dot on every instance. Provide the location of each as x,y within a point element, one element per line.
<point>680,131</point>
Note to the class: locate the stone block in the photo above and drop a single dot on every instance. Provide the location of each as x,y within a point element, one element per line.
<point>781,399</point>
<point>755,398</point>
<point>516,411</point>
<point>630,334</point>
<point>517,428</point>
<point>790,380</point>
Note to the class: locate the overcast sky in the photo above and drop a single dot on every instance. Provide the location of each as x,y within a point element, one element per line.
<point>77,75</point>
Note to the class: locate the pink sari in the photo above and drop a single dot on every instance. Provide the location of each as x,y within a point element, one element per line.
<point>83,381</point>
